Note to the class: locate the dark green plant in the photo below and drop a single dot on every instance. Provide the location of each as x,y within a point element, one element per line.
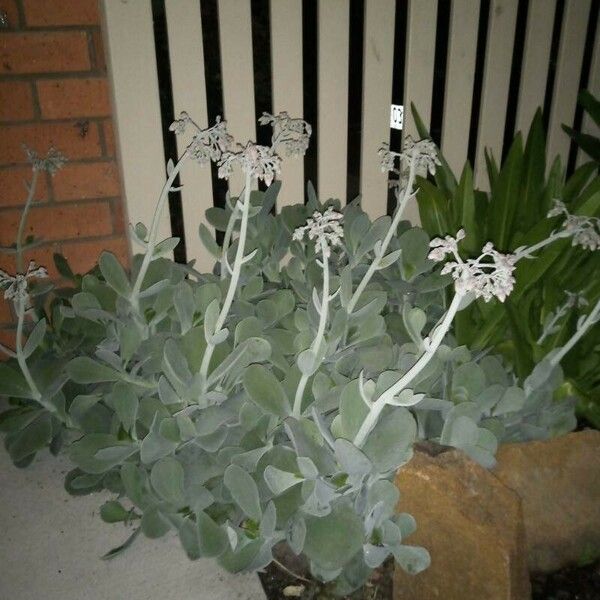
<point>542,312</point>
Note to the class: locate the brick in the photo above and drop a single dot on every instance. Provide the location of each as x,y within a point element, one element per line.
<point>7,338</point>
<point>44,52</point>
<point>119,218</point>
<point>12,186</point>
<point>86,180</point>
<point>44,13</point>
<point>66,137</point>
<point>68,98</point>
<point>16,102</point>
<point>82,256</point>
<point>6,314</point>
<point>99,58</point>
<point>109,137</point>
<point>59,222</point>
<point>9,7</point>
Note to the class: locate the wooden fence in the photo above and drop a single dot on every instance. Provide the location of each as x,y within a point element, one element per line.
<point>492,62</point>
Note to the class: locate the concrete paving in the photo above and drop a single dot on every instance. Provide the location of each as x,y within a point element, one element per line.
<point>51,543</point>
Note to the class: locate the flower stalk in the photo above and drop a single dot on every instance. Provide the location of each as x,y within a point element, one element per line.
<point>382,249</point>
<point>233,283</point>
<point>387,397</point>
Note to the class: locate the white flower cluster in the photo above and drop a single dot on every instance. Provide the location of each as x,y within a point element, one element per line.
<point>584,230</point>
<point>258,161</point>
<point>423,154</point>
<point>52,162</point>
<point>207,144</point>
<point>16,285</point>
<point>488,276</point>
<point>324,227</point>
<point>290,134</point>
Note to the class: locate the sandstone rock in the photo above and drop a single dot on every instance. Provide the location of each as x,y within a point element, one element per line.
<point>558,481</point>
<point>471,524</point>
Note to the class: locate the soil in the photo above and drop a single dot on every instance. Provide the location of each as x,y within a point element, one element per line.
<point>278,585</point>
<point>575,583</point>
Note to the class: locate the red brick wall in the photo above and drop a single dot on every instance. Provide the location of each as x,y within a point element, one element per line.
<point>54,92</point>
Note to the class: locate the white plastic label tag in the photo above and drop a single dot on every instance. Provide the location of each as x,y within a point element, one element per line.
<point>397,116</point>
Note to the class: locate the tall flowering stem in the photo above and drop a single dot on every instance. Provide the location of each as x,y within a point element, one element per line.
<point>233,283</point>
<point>154,230</point>
<point>419,155</point>
<point>327,231</point>
<point>582,328</point>
<point>387,397</point>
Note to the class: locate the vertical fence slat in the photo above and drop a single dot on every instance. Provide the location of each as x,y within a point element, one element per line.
<point>418,71</point>
<point>286,66</point>
<point>496,78</point>
<point>536,55</point>
<point>333,37</point>
<point>420,57</point>
<point>566,82</point>
<point>378,60</point>
<point>460,74</point>
<point>588,126</point>
<point>235,39</point>
<point>184,24</point>
<point>131,62</point>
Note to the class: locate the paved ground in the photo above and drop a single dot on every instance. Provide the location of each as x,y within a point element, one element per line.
<point>50,544</point>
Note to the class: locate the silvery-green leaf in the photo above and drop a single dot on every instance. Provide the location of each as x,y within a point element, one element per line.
<point>248,460</point>
<point>268,521</point>
<point>266,390</point>
<point>154,524</point>
<point>83,369</point>
<point>512,400</point>
<point>35,338</point>
<point>333,540</point>
<point>307,362</point>
<point>165,248</point>
<point>280,481</point>
<point>208,240</point>
<point>389,259</point>
<point>114,274</point>
<point>166,393</point>
<point>243,490</point>
<point>251,350</point>
<point>126,403</point>
<point>406,398</point>
<point>210,319</point>
<point>219,337</point>
<point>352,409</point>
<point>307,467</point>
<point>391,534</point>
<point>414,321</point>
<point>406,523</point>
<point>375,555</point>
<point>351,459</point>
<point>389,445</point>
<point>296,534</point>
<point>345,286</point>
<point>167,480</point>
<point>413,559</point>
<point>386,492</point>
<point>154,445</point>
<point>183,300</point>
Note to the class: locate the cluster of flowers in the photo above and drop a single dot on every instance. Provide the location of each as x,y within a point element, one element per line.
<point>585,230</point>
<point>423,154</point>
<point>325,227</point>
<point>16,285</point>
<point>487,276</point>
<point>261,162</point>
<point>52,162</point>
